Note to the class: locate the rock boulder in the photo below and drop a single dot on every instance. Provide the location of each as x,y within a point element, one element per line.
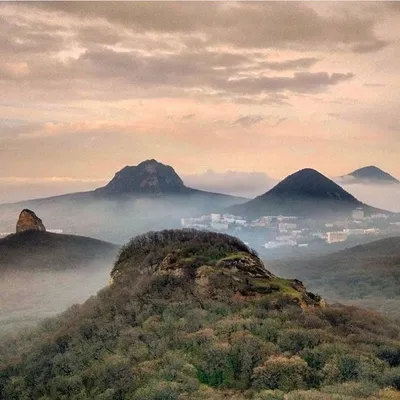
<point>29,221</point>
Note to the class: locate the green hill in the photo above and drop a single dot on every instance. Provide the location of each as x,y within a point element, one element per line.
<point>366,275</point>
<point>195,315</point>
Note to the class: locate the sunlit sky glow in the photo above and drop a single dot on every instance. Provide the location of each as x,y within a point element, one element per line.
<point>88,88</point>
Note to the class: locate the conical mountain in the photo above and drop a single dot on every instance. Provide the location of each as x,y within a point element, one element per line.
<point>369,174</point>
<point>305,193</point>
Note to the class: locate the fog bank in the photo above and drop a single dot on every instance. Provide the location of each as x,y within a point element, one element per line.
<point>235,183</point>
<point>384,196</point>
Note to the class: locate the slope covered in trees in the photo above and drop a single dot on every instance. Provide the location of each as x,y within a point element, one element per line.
<point>195,315</point>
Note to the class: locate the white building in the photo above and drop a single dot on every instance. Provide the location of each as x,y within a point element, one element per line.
<point>286,226</point>
<point>286,218</point>
<point>215,217</point>
<point>228,218</point>
<point>275,245</point>
<point>336,237</point>
<point>371,231</point>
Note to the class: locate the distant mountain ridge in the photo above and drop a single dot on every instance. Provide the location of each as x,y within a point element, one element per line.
<point>369,174</point>
<point>148,196</point>
<point>33,249</point>
<point>305,193</point>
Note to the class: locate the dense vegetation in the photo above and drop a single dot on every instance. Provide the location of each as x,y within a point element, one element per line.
<point>194,317</point>
<point>367,275</point>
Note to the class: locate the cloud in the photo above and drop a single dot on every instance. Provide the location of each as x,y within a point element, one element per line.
<point>298,82</point>
<point>188,116</point>
<point>374,84</point>
<point>371,47</point>
<point>17,180</point>
<point>237,183</point>
<point>241,24</point>
<point>386,197</point>
<point>249,120</point>
<point>280,121</point>
<point>294,64</point>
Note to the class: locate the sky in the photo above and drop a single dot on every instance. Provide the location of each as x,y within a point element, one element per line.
<point>256,88</point>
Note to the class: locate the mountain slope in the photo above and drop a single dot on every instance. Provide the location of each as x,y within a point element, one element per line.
<point>147,196</point>
<point>367,275</point>
<point>38,250</point>
<point>370,174</point>
<point>304,193</point>
<point>195,315</point>
<point>43,273</point>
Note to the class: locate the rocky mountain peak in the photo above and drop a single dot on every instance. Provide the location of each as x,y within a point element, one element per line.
<point>148,177</point>
<point>29,221</point>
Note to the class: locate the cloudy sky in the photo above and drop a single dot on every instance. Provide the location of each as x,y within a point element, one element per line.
<point>264,87</point>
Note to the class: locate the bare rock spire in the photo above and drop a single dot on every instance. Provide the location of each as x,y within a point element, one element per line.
<point>29,221</point>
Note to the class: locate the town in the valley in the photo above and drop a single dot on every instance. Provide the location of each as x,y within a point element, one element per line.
<point>285,231</point>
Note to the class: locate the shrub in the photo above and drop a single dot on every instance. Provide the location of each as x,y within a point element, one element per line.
<point>390,354</point>
<point>391,377</point>
<point>295,340</point>
<point>281,373</point>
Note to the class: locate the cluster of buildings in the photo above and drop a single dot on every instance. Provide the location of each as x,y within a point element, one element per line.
<point>278,231</point>
<point>218,222</point>
<point>221,222</point>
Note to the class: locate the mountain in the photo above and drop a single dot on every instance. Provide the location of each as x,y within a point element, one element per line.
<point>42,273</point>
<point>195,315</point>
<point>38,250</point>
<point>148,177</point>
<point>370,174</point>
<point>366,275</point>
<point>305,193</point>
<point>139,198</point>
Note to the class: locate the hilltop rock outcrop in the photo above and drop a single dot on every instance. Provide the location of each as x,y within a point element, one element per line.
<point>29,221</point>
<point>207,266</point>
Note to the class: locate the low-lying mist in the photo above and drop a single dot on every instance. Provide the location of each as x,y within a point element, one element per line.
<point>29,296</point>
<point>384,196</point>
<point>235,183</point>
<point>115,220</point>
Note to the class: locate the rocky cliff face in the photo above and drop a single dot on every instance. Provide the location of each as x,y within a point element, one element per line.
<point>29,221</point>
